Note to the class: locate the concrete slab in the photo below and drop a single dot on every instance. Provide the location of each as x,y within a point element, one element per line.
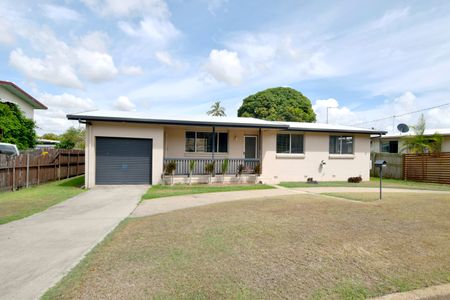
<point>36,252</point>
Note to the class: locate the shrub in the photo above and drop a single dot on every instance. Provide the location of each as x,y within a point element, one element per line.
<point>170,167</point>
<point>357,179</point>
<point>209,168</point>
<point>225,166</point>
<point>257,169</point>
<point>240,169</point>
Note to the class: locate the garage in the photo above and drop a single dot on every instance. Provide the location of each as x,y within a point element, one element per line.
<point>123,161</point>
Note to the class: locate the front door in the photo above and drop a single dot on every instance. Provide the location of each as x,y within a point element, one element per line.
<point>250,148</point>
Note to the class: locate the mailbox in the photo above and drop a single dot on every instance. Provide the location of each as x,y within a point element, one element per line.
<point>380,163</point>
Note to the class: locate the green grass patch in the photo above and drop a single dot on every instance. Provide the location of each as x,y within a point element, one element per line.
<point>158,191</point>
<point>374,182</point>
<point>291,247</point>
<point>26,202</point>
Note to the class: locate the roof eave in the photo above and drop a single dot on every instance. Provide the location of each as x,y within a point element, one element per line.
<point>173,122</point>
<point>13,88</point>
<point>339,131</point>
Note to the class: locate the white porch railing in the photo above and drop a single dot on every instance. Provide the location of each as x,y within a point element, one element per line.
<point>182,165</point>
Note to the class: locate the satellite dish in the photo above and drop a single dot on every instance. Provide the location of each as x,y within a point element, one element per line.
<point>402,127</point>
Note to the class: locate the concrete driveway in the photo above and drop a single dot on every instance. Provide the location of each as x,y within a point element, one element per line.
<point>36,252</point>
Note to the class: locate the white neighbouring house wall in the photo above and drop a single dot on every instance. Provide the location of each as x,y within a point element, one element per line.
<point>6,96</point>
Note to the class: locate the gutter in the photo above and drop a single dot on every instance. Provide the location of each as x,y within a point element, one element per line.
<point>82,119</point>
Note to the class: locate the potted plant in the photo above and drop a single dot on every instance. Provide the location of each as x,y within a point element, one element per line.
<point>191,170</point>
<point>209,169</point>
<point>223,169</point>
<point>240,170</point>
<point>169,169</point>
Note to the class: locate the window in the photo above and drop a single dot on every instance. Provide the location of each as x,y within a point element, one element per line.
<point>389,147</point>
<point>203,142</point>
<point>341,145</point>
<point>289,143</point>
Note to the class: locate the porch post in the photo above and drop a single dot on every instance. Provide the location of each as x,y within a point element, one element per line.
<point>214,149</point>
<point>260,150</point>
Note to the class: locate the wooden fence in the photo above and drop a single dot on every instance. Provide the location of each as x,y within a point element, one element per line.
<point>36,167</point>
<point>433,167</point>
<point>394,167</point>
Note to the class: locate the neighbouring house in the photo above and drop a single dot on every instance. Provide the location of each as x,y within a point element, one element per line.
<point>46,144</point>
<point>133,147</point>
<point>10,92</point>
<point>391,143</point>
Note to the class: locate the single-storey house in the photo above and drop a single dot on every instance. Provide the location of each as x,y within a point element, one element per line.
<point>10,92</point>
<point>391,143</point>
<point>134,147</point>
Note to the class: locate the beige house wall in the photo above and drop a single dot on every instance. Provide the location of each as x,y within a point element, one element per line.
<point>299,167</point>
<point>169,142</point>
<point>6,96</point>
<point>128,130</point>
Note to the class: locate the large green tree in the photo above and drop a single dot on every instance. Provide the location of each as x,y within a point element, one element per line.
<point>278,104</point>
<point>15,127</point>
<point>72,138</point>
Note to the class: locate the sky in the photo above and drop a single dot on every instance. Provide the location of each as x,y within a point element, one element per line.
<point>367,59</point>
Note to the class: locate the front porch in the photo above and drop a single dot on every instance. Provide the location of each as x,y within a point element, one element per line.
<point>226,170</point>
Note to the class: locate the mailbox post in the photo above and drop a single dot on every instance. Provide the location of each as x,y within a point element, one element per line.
<point>381,164</point>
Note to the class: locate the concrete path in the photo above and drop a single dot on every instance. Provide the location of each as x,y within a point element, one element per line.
<point>438,292</point>
<point>166,204</point>
<point>36,252</point>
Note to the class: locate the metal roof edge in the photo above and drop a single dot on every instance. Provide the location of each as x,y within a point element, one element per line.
<point>174,122</point>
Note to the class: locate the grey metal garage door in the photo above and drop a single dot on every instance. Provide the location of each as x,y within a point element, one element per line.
<point>123,161</point>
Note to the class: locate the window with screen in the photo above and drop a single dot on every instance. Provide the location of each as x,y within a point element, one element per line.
<point>289,143</point>
<point>204,141</point>
<point>341,145</point>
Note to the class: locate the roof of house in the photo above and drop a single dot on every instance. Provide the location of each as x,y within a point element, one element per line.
<point>428,132</point>
<point>15,90</point>
<point>142,117</point>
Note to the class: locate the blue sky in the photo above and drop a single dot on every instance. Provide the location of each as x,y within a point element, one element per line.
<point>371,59</point>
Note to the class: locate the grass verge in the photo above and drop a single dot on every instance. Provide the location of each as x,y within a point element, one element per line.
<point>295,247</point>
<point>374,182</point>
<point>158,191</point>
<point>26,202</point>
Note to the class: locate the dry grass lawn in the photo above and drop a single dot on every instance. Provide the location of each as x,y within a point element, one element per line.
<point>296,247</point>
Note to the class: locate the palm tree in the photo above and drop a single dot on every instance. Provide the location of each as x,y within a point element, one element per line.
<point>419,143</point>
<point>217,110</point>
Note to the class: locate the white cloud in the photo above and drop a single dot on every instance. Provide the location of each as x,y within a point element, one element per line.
<point>336,114</point>
<point>95,66</point>
<point>54,118</point>
<point>216,5</point>
<point>129,8</point>
<point>132,70</point>
<point>95,41</point>
<point>158,30</point>
<point>167,59</point>
<point>48,69</point>
<point>390,17</point>
<point>124,103</point>
<point>225,66</point>
<point>60,13</point>
<point>7,36</point>
<point>62,64</point>
<point>398,106</point>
